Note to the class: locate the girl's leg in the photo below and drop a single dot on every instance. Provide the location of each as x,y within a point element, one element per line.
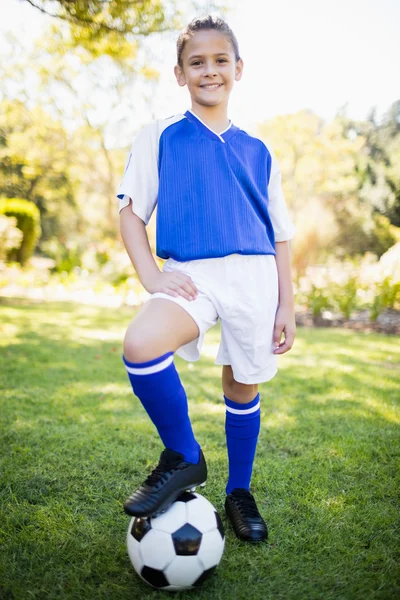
<point>242,426</point>
<point>153,336</point>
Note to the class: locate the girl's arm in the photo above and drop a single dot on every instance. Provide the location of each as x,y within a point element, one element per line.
<point>285,318</point>
<point>134,235</point>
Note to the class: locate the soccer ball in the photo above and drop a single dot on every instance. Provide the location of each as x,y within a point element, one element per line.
<point>180,548</point>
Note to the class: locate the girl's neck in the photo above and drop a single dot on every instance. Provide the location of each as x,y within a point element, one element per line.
<point>215,117</point>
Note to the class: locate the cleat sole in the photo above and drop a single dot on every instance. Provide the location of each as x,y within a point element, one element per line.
<point>201,485</point>
<point>174,498</point>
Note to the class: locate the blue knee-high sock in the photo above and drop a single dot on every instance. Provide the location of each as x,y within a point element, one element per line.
<point>157,385</point>
<point>242,426</point>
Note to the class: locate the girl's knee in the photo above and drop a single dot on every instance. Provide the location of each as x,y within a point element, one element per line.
<point>235,391</point>
<point>142,346</point>
<point>137,348</point>
<point>240,392</point>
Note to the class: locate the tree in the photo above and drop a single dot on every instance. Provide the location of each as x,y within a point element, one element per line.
<point>317,165</point>
<point>140,17</point>
<point>111,26</point>
<point>377,168</point>
<point>36,158</point>
<point>320,171</point>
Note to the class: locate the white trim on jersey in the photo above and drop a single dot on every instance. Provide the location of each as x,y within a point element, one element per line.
<point>214,132</point>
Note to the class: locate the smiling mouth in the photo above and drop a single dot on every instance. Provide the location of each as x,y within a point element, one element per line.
<point>211,86</point>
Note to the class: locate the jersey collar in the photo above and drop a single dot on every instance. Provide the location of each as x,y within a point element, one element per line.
<point>223,137</point>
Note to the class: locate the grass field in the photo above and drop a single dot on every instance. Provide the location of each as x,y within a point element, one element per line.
<point>75,443</point>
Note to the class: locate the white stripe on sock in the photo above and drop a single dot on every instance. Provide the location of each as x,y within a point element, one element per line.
<point>153,369</point>
<point>246,411</point>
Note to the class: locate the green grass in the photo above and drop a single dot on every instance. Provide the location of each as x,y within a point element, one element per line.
<point>75,443</point>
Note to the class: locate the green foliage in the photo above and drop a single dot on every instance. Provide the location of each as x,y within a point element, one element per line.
<point>120,279</point>
<point>317,299</point>
<point>344,297</point>
<point>360,232</point>
<point>383,236</point>
<point>27,221</point>
<point>345,176</point>
<point>102,256</point>
<point>111,27</point>
<point>386,295</point>
<point>37,159</point>
<point>66,256</point>
<point>378,164</point>
<point>348,286</point>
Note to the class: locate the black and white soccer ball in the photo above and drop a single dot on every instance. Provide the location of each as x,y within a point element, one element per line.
<point>180,548</point>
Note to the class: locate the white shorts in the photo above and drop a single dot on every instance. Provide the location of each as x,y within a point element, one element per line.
<point>241,291</point>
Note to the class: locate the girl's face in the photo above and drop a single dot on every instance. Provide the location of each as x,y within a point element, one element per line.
<point>209,68</point>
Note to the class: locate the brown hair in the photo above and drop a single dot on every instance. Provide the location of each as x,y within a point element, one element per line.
<point>204,24</point>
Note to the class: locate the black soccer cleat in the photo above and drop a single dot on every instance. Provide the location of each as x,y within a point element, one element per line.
<point>172,476</point>
<point>242,511</point>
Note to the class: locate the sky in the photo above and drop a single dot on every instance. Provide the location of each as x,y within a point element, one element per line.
<point>309,54</point>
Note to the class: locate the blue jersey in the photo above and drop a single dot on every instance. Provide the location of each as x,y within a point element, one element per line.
<point>216,194</point>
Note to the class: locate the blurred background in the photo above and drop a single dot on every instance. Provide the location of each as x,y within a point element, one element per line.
<point>78,79</point>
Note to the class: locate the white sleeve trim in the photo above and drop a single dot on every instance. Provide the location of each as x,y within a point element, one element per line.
<point>140,180</point>
<point>123,201</point>
<point>284,228</point>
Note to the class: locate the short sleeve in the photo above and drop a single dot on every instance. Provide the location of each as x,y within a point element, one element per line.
<point>140,179</point>
<point>284,229</point>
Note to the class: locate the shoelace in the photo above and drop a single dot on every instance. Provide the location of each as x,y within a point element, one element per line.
<point>159,474</point>
<point>246,504</point>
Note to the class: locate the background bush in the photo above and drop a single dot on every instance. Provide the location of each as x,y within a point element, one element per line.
<point>27,217</point>
<point>66,256</point>
<point>386,295</point>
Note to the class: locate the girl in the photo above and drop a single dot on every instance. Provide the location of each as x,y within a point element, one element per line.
<point>223,228</point>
